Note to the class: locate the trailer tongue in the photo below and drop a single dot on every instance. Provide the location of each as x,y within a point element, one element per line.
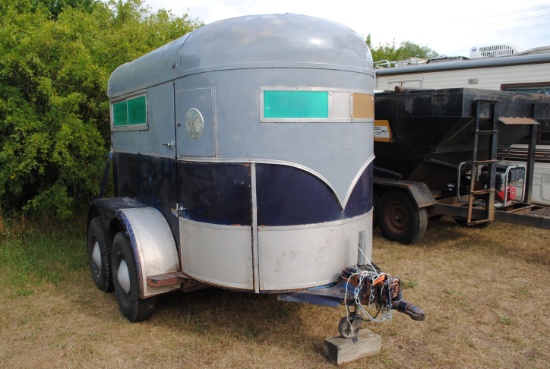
<point>368,294</point>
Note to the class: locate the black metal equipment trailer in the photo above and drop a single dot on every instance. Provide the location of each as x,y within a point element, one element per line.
<point>443,152</point>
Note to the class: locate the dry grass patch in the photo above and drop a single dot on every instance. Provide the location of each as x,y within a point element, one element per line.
<point>486,293</point>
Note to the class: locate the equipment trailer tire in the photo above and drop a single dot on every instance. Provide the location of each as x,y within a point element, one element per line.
<point>125,278</point>
<point>399,218</point>
<point>99,255</point>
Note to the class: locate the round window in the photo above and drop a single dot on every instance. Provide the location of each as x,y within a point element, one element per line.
<point>194,122</point>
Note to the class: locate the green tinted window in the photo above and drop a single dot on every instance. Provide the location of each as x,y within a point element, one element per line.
<point>137,112</point>
<point>130,112</point>
<point>296,104</point>
<point>120,114</point>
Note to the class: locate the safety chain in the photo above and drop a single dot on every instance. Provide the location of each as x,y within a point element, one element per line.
<point>369,278</point>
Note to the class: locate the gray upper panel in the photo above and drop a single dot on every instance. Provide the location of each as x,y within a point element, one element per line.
<point>256,41</point>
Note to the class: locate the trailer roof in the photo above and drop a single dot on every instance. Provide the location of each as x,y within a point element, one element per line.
<point>257,41</point>
<point>467,64</point>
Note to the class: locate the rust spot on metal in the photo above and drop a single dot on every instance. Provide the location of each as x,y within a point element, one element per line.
<point>168,279</point>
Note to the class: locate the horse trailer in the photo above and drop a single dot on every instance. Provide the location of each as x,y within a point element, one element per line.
<point>242,158</point>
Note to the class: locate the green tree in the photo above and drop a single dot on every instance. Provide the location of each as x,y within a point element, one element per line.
<point>55,7</point>
<point>54,110</point>
<point>405,50</point>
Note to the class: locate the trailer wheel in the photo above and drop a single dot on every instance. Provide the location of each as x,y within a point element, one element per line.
<point>99,256</point>
<point>399,218</point>
<point>126,280</point>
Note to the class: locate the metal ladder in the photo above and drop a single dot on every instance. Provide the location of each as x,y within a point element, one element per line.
<point>487,194</point>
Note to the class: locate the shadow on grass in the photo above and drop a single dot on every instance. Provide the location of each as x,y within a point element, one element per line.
<point>519,242</point>
<point>258,318</point>
<point>221,317</point>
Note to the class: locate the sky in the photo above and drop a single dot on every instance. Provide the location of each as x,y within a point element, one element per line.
<point>450,28</point>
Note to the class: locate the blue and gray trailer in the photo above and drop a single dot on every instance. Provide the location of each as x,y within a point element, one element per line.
<point>242,158</point>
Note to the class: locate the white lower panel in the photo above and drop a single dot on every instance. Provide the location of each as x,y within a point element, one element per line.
<point>218,255</point>
<point>294,257</point>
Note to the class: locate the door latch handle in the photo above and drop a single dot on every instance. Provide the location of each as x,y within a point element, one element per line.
<point>178,211</point>
<point>169,145</point>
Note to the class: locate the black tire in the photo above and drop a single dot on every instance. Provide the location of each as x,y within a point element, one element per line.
<point>399,218</point>
<point>126,282</point>
<point>99,255</point>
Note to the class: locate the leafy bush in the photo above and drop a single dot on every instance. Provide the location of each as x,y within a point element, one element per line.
<point>56,59</point>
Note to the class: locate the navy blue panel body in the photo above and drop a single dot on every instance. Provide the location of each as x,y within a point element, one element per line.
<point>220,193</point>
<point>217,193</point>
<point>158,180</point>
<point>125,170</point>
<point>290,196</point>
<point>150,180</point>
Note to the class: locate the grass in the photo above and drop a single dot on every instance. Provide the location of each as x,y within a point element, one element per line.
<point>486,293</point>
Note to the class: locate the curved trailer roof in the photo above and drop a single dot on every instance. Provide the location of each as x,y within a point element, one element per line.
<point>260,41</point>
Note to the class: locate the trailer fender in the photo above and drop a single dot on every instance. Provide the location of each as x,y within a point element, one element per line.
<point>153,245</point>
<point>418,191</point>
<point>107,208</point>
